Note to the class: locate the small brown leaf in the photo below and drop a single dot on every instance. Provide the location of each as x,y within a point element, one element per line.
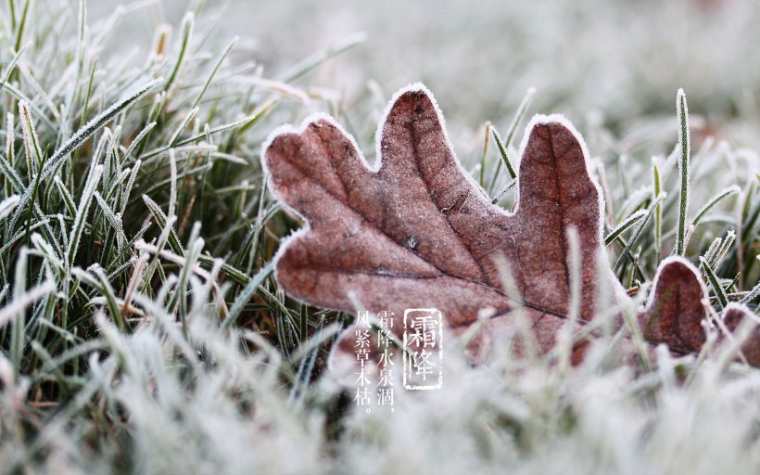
<point>417,231</point>
<point>676,309</point>
<point>676,312</point>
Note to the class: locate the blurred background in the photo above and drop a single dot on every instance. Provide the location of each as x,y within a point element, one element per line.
<point>599,60</point>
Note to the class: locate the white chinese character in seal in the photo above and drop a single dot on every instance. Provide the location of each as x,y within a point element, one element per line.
<point>423,351</point>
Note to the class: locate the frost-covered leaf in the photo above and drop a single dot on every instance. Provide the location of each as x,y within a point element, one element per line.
<point>676,312</point>
<point>416,231</point>
<point>676,307</point>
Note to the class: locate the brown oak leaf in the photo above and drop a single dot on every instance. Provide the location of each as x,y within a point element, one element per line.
<point>416,231</point>
<point>677,310</point>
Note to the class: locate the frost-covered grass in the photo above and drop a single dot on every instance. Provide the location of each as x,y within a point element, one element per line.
<point>142,332</point>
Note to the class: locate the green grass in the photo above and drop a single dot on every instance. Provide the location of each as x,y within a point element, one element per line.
<point>142,331</point>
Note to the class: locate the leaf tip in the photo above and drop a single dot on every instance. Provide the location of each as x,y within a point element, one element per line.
<point>280,136</point>
<point>677,268</point>
<point>411,100</point>
<point>556,125</point>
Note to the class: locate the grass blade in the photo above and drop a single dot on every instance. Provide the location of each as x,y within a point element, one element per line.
<point>683,140</point>
<point>731,190</point>
<point>81,216</point>
<point>624,226</point>
<point>714,281</point>
<point>245,295</point>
